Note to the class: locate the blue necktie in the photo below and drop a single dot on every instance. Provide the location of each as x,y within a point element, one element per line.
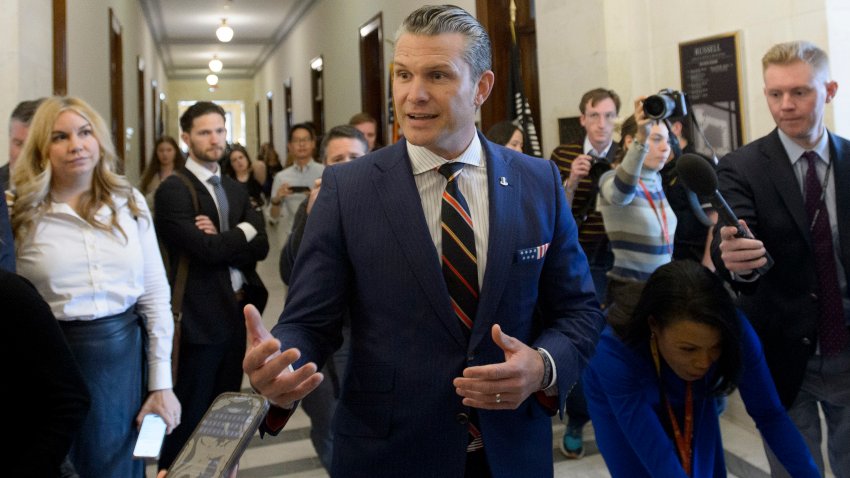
<point>460,266</point>
<point>223,206</point>
<point>460,270</point>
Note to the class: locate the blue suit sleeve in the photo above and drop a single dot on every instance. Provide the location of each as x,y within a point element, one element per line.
<point>762,403</point>
<point>320,282</point>
<point>625,417</point>
<point>567,300</point>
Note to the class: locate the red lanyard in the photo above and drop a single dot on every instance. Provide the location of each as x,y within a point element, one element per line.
<point>684,443</point>
<point>662,217</point>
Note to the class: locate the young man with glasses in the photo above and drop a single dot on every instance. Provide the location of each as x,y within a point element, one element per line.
<point>292,185</point>
<point>599,109</point>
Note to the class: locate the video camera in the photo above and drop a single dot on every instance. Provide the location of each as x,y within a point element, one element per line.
<point>665,104</point>
<point>598,167</point>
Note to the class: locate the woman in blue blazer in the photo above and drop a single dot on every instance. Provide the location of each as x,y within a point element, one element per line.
<point>651,391</point>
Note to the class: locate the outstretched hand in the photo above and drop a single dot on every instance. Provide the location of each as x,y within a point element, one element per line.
<point>502,386</point>
<point>269,370</point>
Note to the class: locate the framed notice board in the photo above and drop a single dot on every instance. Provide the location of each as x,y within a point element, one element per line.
<point>711,77</point>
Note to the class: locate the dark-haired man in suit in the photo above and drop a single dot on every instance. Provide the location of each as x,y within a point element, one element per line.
<point>457,259</point>
<point>792,189</point>
<point>223,241</point>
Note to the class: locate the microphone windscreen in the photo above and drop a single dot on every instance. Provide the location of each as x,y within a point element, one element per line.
<point>697,174</point>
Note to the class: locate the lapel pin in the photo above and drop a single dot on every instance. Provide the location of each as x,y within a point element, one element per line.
<point>503,181</point>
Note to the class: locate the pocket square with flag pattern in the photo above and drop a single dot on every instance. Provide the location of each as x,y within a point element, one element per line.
<point>531,253</point>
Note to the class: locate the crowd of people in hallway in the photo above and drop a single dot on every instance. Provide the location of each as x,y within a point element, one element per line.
<point>447,294</point>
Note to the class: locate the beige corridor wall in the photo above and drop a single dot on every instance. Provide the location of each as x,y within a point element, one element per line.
<point>26,60</point>
<point>26,68</point>
<point>329,28</point>
<point>632,47</point>
<point>88,63</point>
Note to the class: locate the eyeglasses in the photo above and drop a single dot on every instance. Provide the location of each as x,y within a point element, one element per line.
<point>608,117</point>
<point>301,140</point>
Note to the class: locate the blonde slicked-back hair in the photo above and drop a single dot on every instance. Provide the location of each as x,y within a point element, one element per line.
<point>33,173</point>
<point>794,51</point>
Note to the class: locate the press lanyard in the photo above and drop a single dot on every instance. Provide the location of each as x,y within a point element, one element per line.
<point>662,217</point>
<point>684,443</point>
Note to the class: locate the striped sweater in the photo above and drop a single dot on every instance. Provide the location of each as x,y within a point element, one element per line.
<point>632,224</point>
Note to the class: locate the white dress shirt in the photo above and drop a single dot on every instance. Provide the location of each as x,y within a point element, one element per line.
<point>590,150</point>
<point>473,185</point>
<point>86,273</point>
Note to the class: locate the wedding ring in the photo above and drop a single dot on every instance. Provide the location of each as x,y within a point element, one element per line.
<point>498,398</point>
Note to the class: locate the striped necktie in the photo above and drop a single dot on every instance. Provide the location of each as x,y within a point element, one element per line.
<point>460,270</point>
<point>460,266</point>
<point>223,206</point>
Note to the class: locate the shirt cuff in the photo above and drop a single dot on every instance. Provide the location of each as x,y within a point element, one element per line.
<point>159,376</point>
<point>249,230</point>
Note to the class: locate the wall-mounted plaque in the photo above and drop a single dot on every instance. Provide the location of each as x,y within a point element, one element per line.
<point>711,77</point>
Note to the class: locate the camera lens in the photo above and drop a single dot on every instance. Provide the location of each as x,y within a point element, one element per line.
<point>659,106</point>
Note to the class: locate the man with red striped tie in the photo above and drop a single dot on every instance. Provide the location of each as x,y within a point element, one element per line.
<point>471,303</point>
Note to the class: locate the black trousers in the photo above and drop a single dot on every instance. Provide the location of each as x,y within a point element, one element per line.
<point>205,371</point>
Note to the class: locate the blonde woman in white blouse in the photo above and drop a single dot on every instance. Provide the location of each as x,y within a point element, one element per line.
<point>85,239</point>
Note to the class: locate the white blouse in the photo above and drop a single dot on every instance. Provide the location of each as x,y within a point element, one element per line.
<point>85,273</point>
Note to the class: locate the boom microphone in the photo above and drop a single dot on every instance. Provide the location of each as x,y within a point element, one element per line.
<point>698,175</point>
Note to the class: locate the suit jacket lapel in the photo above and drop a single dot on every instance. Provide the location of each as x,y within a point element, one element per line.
<point>402,205</point>
<point>839,151</point>
<point>778,168</point>
<point>503,210</point>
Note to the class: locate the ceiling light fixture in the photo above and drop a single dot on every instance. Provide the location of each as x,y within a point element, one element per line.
<point>212,80</point>
<point>215,64</point>
<point>224,32</point>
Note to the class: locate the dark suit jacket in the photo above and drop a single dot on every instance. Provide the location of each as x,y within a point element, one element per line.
<point>367,249</point>
<point>759,184</point>
<point>210,310</point>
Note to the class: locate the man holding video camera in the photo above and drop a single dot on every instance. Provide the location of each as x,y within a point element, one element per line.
<point>792,188</point>
<point>581,165</point>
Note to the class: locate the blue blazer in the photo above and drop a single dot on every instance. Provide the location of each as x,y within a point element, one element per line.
<point>367,249</point>
<point>630,418</point>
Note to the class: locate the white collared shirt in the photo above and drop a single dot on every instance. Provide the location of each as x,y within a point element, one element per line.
<point>473,185</point>
<point>86,273</point>
<point>589,150</point>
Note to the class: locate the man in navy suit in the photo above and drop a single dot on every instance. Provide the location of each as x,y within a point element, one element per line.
<point>223,241</point>
<point>792,189</point>
<point>430,390</point>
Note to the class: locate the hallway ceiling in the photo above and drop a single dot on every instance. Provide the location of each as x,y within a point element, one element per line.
<point>184,32</point>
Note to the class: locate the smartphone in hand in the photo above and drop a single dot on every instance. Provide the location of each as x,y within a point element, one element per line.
<point>151,435</point>
<point>300,189</point>
<point>221,437</point>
